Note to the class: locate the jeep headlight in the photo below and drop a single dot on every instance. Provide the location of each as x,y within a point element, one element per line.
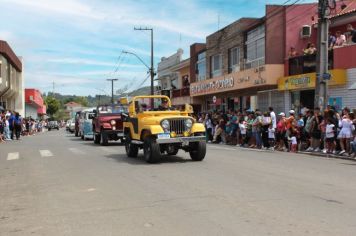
<point>165,124</point>
<point>113,122</point>
<point>188,123</point>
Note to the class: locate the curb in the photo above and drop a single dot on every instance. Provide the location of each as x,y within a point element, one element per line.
<point>300,152</point>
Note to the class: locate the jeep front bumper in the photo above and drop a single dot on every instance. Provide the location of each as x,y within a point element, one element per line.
<point>183,140</point>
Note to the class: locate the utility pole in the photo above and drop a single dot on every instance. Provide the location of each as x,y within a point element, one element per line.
<point>112,89</point>
<point>152,73</point>
<point>53,89</point>
<point>322,75</point>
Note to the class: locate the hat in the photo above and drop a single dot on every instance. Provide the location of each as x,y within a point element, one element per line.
<point>282,114</point>
<point>291,112</point>
<point>164,100</point>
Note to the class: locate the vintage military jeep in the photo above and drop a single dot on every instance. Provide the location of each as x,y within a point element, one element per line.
<point>159,129</point>
<point>108,123</point>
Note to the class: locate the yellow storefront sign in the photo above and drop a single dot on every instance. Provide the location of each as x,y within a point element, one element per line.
<point>307,81</point>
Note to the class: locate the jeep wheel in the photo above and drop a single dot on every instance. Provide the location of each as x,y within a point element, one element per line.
<point>96,138</point>
<point>198,151</point>
<point>131,149</point>
<point>151,150</point>
<point>104,139</point>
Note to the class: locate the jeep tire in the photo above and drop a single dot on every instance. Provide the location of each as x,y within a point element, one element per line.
<point>151,150</point>
<point>104,139</point>
<point>131,149</point>
<point>198,150</point>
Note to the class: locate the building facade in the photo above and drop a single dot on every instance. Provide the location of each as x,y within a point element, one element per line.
<point>238,66</point>
<point>34,104</point>
<point>11,80</point>
<point>298,84</point>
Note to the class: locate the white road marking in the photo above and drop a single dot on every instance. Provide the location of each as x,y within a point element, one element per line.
<point>76,151</point>
<point>46,153</point>
<point>12,156</point>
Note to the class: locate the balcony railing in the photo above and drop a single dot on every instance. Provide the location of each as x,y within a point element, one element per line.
<point>306,64</point>
<point>181,92</point>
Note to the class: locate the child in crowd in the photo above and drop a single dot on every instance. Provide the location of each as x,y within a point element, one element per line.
<point>330,136</point>
<point>243,129</point>
<point>271,136</point>
<point>293,142</point>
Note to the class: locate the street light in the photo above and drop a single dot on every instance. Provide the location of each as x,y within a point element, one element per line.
<point>112,88</point>
<point>127,52</point>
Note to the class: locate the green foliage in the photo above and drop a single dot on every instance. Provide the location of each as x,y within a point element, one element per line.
<point>53,105</point>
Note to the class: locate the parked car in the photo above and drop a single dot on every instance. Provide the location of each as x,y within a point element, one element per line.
<point>53,125</point>
<point>86,124</point>
<point>107,123</point>
<point>71,127</point>
<point>67,125</point>
<point>162,129</point>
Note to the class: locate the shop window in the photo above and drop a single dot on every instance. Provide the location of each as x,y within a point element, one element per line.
<point>201,67</point>
<point>234,59</point>
<point>216,65</point>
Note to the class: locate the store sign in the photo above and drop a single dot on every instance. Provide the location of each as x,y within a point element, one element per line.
<point>338,77</point>
<point>213,85</point>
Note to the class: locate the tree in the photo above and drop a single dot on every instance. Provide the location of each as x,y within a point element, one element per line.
<point>52,105</point>
<point>81,100</point>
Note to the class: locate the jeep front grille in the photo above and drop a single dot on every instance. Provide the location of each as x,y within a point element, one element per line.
<point>177,126</point>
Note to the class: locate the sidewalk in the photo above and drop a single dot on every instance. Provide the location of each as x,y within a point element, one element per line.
<point>319,154</point>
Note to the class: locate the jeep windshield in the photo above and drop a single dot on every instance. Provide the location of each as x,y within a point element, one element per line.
<point>152,104</point>
<point>112,109</point>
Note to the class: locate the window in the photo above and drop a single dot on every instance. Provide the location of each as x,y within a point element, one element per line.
<point>201,67</point>
<point>234,59</point>
<point>216,65</point>
<point>255,47</point>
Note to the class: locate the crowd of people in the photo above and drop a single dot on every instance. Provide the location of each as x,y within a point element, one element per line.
<point>13,126</point>
<point>339,39</point>
<point>326,131</point>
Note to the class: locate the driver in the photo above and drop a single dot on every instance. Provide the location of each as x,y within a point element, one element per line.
<point>164,105</point>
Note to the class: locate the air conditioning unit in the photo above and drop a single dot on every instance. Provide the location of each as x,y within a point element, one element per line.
<point>305,32</point>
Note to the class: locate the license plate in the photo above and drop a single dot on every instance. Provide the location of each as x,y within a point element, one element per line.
<point>163,136</point>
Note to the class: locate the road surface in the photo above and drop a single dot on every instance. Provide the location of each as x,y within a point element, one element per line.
<point>56,184</point>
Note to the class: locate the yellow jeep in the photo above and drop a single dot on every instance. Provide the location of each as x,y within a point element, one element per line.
<point>157,128</point>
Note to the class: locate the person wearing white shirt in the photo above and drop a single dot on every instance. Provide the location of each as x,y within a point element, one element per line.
<point>271,136</point>
<point>273,117</point>
<point>330,136</point>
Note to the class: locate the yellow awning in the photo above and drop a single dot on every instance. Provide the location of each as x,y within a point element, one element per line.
<point>305,81</point>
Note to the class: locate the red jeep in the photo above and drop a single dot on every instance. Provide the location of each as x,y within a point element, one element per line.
<point>107,123</point>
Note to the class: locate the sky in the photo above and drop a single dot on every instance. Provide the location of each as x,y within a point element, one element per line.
<point>78,44</point>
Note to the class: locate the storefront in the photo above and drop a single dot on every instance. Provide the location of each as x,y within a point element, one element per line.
<point>301,89</point>
<point>238,90</point>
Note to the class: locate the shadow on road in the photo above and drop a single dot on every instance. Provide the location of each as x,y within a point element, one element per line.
<point>122,158</point>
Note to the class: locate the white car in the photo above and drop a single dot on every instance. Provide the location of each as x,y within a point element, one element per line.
<point>71,126</point>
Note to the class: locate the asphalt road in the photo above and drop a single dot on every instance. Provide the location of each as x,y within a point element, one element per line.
<point>56,184</point>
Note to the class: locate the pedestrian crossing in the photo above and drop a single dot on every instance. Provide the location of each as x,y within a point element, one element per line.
<point>44,153</point>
